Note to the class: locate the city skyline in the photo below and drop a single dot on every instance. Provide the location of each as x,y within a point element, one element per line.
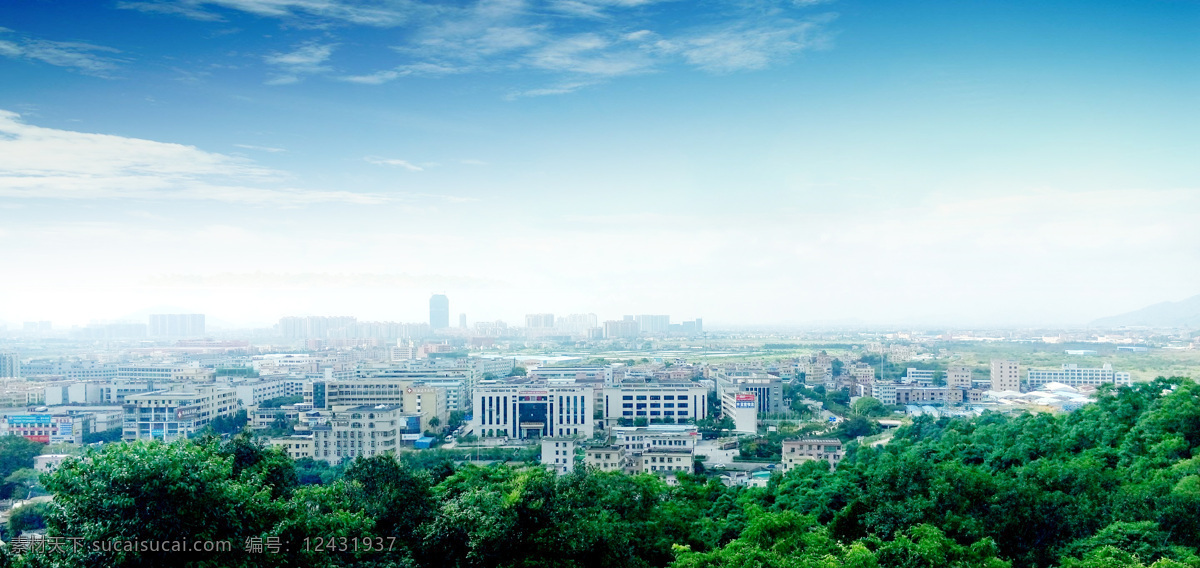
<point>768,162</point>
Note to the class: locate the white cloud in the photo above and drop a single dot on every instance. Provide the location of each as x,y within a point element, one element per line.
<point>87,58</point>
<point>392,162</point>
<point>260,148</point>
<point>46,163</point>
<point>744,47</point>
<point>578,42</point>
<point>306,59</point>
<point>380,14</point>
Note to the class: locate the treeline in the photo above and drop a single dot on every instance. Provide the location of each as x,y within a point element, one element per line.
<point>1115,484</point>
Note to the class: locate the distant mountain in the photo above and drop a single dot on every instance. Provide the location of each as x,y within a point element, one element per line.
<point>1184,313</point>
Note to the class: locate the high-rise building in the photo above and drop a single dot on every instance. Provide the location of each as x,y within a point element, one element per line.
<point>539,321</point>
<point>576,323</point>
<point>1006,375</point>
<point>653,323</point>
<point>439,312</point>
<point>620,329</point>
<point>10,366</point>
<point>462,321</point>
<point>176,325</point>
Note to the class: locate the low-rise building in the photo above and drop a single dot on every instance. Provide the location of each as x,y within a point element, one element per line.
<point>47,463</point>
<point>605,458</point>
<point>559,454</point>
<point>47,428</point>
<point>1075,376</point>
<point>665,461</point>
<point>958,377</point>
<point>296,447</point>
<point>532,409</point>
<point>742,408</point>
<point>655,402</point>
<point>172,414</point>
<point>884,392</point>
<point>799,451</point>
<point>940,395</point>
<point>364,431</point>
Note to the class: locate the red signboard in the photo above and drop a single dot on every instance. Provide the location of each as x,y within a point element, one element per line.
<point>744,397</point>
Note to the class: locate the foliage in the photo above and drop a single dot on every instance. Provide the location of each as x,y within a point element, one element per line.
<point>107,436</point>
<point>281,401</point>
<point>227,424</point>
<point>17,452</point>
<point>26,482</point>
<point>868,406</point>
<point>28,518</point>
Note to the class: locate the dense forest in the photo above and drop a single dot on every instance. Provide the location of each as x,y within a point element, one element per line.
<point>1115,484</point>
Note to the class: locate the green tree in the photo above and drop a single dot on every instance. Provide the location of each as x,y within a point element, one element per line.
<point>868,406</point>
<point>27,482</point>
<point>17,452</point>
<point>28,518</point>
<point>107,436</point>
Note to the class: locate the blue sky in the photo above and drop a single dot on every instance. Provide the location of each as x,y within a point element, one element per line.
<point>960,163</point>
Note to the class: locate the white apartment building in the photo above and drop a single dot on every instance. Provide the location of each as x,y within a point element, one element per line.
<point>252,393</point>
<point>172,414</point>
<point>799,451</point>
<point>296,447</point>
<point>884,392</point>
<point>156,373</point>
<point>1076,376</point>
<point>655,401</point>
<point>958,377</point>
<point>1006,375</point>
<point>559,454</point>
<point>73,393</point>
<point>635,440</point>
<point>607,458</point>
<point>742,408</point>
<point>532,410</point>
<point>921,376</point>
<point>862,373</point>
<point>364,431</point>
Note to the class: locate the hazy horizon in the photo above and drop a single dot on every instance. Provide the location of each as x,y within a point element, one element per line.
<point>750,163</point>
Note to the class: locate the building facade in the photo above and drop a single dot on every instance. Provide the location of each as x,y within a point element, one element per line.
<point>1076,376</point>
<point>655,402</point>
<point>170,415</point>
<point>532,410</point>
<point>796,452</point>
<point>559,454</point>
<point>1006,375</point>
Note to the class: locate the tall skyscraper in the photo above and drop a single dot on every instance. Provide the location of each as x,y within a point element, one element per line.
<point>462,321</point>
<point>176,325</point>
<point>439,312</point>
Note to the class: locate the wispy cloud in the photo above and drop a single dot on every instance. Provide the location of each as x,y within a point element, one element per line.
<point>47,163</point>
<point>260,148</point>
<point>306,59</point>
<point>380,13</point>
<point>393,162</point>
<point>567,44</point>
<point>87,58</point>
<point>745,47</point>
